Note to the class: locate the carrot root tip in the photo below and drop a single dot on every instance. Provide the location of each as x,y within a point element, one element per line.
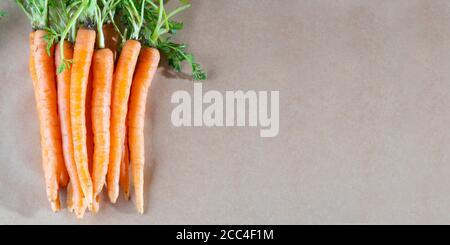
<point>112,197</point>
<point>56,206</point>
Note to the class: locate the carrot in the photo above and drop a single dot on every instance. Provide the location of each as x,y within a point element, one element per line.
<point>83,51</point>
<point>77,198</point>
<point>145,71</point>
<point>103,70</point>
<point>48,115</point>
<point>44,154</point>
<point>123,77</point>
<point>103,73</point>
<point>33,74</point>
<point>95,205</point>
<point>61,172</point>
<point>124,169</point>
<point>43,76</point>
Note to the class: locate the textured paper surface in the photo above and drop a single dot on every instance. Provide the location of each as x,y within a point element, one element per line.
<point>364,119</point>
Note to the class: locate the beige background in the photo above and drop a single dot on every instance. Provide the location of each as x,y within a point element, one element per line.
<point>364,119</point>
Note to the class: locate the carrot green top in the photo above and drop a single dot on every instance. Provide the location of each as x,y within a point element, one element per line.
<point>153,25</point>
<point>147,21</point>
<point>37,12</point>
<point>59,14</point>
<point>158,33</point>
<point>88,14</point>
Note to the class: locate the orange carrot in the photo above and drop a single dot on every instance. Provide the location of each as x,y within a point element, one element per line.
<point>83,51</point>
<point>63,178</point>
<point>95,205</point>
<point>145,71</point>
<point>103,70</point>
<point>124,169</point>
<point>77,200</point>
<point>32,68</point>
<point>123,77</point>
<point>48,115</point>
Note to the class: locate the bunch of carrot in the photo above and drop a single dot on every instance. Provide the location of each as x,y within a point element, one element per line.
<point>92,63</point>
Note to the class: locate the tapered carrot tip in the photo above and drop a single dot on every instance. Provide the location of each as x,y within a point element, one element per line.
<point>88,199</point>
<point>113,195</point>
<point>88,202</point>
<point>56,206</point>
<point>139,204</point>
<point>126,195</point>
<point>140,209</point>
<point>95,204</point>
<point>80,215</point>
<point>80,209</point>
<point>91,207</point>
